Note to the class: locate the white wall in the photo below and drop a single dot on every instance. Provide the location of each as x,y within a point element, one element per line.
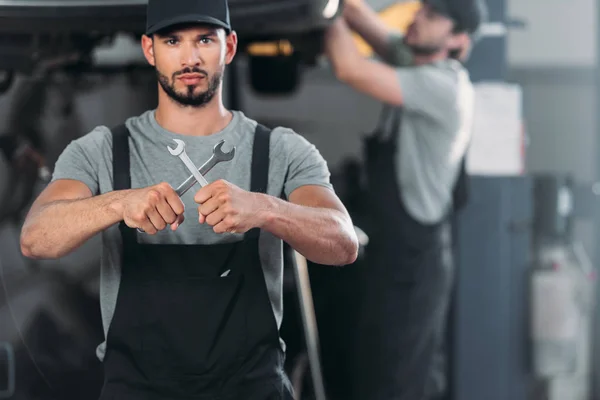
<point>558,33</point>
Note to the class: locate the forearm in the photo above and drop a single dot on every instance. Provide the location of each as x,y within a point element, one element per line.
<point>341,50</point>
<point>322,235</point>
<point>363,20</point>
<point>57,228</point>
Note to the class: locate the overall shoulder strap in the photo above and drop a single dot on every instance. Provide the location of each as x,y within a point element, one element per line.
<point>121,174</point>
<point>259,172</point>
<point>120,152</point>
<point>388,123</point>
<point>260,159</point>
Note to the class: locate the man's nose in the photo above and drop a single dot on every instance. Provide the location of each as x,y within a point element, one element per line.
<point>191,55</point>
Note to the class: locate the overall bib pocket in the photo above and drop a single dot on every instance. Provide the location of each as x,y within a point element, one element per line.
<point>193,327</point>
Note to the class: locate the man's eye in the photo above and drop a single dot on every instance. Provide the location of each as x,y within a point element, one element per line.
<point>206,40</point>
<point>172,41</point>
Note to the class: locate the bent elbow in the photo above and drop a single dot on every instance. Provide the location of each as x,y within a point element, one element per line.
<point>349,248</point>
<point>342,72</point>
<point>344,76</point>
<point>30,247</point>
<point>26,251</point>
<point>351,254</point>
<point>27,247</point>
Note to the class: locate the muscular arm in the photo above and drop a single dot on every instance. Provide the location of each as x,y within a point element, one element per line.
<point>64,217</point>
<point>315,223</point>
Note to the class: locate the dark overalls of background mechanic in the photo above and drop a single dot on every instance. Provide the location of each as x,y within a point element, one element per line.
<point>415,173</point>
<point>191,312</point>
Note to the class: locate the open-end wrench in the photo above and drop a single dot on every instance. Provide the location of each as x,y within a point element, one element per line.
<point>217,157</point>
<point>179,151</point>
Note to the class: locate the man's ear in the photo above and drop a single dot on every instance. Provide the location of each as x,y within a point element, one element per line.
<point>231,42</point>
<point>148,49</point>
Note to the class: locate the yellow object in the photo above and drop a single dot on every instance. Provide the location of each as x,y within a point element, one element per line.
<point>281,47</point>
<point>397,16</point>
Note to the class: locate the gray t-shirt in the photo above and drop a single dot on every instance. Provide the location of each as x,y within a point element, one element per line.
<point>436,127</point>
<point>89,160</point>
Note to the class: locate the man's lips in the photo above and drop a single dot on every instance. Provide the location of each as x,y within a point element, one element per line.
<point>191,78</point>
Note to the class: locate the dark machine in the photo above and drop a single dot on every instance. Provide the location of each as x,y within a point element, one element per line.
<point>39,34</point>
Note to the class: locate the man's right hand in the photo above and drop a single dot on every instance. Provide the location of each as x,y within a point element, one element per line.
<point>151,209</point>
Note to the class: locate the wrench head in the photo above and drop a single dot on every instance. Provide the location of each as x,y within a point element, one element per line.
<point>222,156</point>
<point>179,149</point>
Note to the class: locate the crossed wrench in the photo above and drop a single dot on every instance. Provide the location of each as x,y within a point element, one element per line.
<point>198,173</point>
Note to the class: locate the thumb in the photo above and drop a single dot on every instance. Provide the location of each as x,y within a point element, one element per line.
<point>178,222</point>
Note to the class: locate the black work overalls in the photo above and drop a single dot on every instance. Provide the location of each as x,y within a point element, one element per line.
<point>408,279</point>
<point>180,329</point>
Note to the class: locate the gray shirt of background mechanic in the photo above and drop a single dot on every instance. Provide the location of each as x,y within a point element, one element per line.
<point>89,160</point>
<point>435,130</point>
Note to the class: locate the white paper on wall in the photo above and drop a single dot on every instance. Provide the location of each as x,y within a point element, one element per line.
<point>498,138</point>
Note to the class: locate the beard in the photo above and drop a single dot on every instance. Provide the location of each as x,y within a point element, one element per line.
<point>190,98</point>
<point>424,49</point>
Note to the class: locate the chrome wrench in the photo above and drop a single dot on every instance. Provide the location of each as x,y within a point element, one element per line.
<point>217,157</point>
<point>179,151</point>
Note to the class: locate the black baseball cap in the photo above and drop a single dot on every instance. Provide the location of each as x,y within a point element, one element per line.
<point>162,14</point>
<point>468,15</point>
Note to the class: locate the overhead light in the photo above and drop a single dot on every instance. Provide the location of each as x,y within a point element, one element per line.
<point>331,8</point>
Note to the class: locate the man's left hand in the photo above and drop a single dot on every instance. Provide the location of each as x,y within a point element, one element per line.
<point>229,209</point>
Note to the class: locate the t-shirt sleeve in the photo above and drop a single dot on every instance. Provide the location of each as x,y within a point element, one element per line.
<point>427,89</point>
<point>398,54</point>
<point>306,165</point>
<point>80,160</point>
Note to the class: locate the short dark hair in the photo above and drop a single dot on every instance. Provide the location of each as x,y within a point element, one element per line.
<point>457,28</point>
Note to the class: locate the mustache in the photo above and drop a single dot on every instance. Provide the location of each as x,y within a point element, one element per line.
<point>194,70</point>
